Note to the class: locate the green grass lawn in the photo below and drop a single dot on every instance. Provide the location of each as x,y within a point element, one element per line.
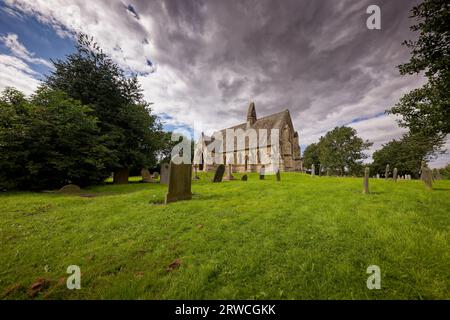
<point>301,238</point>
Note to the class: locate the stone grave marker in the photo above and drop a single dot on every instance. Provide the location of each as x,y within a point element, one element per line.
<point>218,176</point>
<point>366,180</point>
<point>262,172</point>
<point>244,177</point>
<point>386,173</point>
<point>278,175</point>
<point>180,176</point>
<point>165,169</point>
<point>146,176</point>
<point>70,188</point>
<point>427,177</point>
<point>313,170</point>
<point>394,175</point>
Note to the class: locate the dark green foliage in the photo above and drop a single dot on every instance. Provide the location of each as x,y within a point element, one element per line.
<point>311,156</point>
<point>426,110</point>
<point>342,151</point>
<point>405,154</point>
<point>48,140</point>
<point>130,130</point>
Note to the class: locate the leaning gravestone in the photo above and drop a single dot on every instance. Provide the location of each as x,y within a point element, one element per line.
<point>146,177</point>
<point>386,174</point>
<point>278,175</point>
<point>70,188</point>
<point>262,172</point>
<point>427,177</point>
<point>394,175</point>
<point>179,183</point>
<point>218,176</point>
<point>165,169</point>
<point>244,177</point>
<point>366,180</point>
<point>313,170</point>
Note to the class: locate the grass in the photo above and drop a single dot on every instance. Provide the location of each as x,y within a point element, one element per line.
<point>301,238</point>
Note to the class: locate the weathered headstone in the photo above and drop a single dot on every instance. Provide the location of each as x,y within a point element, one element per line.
<point>427,178</point>
<point>262,172</point>
<point>386,174</point>
<point>155,175</point>
<point>165,170</point>
<point>278,175</point>
<point>179,183</point>
<point>196,177</point>
<point>366,180</point>
<point>146,176</point>
<point>218,176</point>
<point>70,188</point>
<point>313,170</point>
<point>378,176</point>
<point>244,177</point>
<point>229,173</point>
<point>320,170</point>
<point>394,175</point>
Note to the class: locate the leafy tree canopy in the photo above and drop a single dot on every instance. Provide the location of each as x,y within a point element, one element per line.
<point>426,110</point>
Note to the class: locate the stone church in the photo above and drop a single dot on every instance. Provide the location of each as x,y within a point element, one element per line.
<point>248,157</point>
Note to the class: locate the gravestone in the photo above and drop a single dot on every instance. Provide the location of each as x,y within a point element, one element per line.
<point>218,176</point>
<point>70,188</point>
<point>394,175</point>
<point>328,172</point>
<point>155,175</point>
<point>320,170</point>
<point>427,178</point>
<point>165,169</point>
<point>196,177</point>
<point>386,174</point>
<point>278,175</point>
<point>262,172</point>
<point>179,183</point>
<point>366,180</point>
<point>313,170</point>
<point>229,173</point>
<point>146,177</point>
<point>244,177</point>
<point>378,176</point>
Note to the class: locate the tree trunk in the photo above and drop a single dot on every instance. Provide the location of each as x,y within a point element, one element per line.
<point>121,176</point>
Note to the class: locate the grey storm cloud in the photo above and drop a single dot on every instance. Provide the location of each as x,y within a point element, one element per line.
<point>210,58</point>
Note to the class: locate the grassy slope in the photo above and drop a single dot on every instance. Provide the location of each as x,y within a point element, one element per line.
<point>300,238</point>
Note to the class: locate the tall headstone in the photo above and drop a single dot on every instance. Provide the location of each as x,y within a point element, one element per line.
<point>386,174</point>
<point>165,169</point>
<point>313,170</point>
<point>229,172</point>
<point>180,176</point>
<point>218,176</point>
<point>366,180</point>
<point>378,176</point>
<point>262,172</point>
<point>278,175</point>
<point>146,176</point>
<point>427,178</point>
<point>394,175</point>
<point>196,177</point>
<point>320,170</point>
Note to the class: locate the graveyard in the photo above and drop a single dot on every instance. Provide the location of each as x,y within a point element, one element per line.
<point>302,237</point>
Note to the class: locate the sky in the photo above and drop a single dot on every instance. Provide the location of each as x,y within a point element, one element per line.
<point>201,63</point>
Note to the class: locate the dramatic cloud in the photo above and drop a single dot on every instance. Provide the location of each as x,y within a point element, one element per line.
<point>15,73</point>
<point>202,62</point>
<point>11,41</point>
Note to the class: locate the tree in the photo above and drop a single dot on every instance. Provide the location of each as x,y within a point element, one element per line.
<point>342,151</point>
<point>406,154</point>
<point>129,129</point>
<point>48,141</point>
<point>426,110</point>
<point>311,156</point>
